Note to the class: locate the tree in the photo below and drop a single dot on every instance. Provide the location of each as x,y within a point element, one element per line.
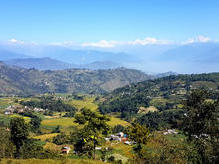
<point>61,139</point>
<point>140,134</point>
<point>200,124</point>
<point>118,128</point>
<point>35,123</point>
<point>19,133</point>
<point>6,146</point>
<point>31,149</point>
<point>91,135</point>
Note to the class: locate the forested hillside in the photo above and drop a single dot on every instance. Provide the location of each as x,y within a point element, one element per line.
<point>164,96</point>
<point>18,81</point>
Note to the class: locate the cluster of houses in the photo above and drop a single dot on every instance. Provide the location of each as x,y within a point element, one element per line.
<point>19,109</point>
<point>170,131</point>
<point>120,137</point>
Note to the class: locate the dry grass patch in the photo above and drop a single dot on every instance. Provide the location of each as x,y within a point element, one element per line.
<point>117,121</point>
<point>46,136</point>
<point>87,102</point>
<point>144,110</point>
<point>65,122</point>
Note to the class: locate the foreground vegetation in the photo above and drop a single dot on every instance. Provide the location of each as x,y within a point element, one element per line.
<point>49,161</point>
<point>74,121</point>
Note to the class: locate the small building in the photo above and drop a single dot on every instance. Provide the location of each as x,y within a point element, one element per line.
<point>65,150</point>
<point>115,138</point>
<point>128,142</point>
<point>170,131</point>
<point>120,134</point>
<point>9,110</point>
<point>124,139</point>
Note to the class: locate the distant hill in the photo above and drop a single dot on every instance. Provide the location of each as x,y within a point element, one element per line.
<point>101,65</point>
<point>53,64</point>
<point>22,81</point>
<point>68,55</point>
<point>163,93</point>
<point>40,63</point>
<point>191,58</point>
<point>181,58</point>
<point>159,75</point>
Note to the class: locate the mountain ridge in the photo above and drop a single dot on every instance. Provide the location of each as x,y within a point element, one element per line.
<point>48,63</point>
<point>20,81</point>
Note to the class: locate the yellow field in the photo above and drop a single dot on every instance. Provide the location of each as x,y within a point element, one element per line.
<point>65,122</point>
<point>144,110</point>
<point>53,147</point>
<point>49,161</point>
<point>116,121</point>
<point>46,136</point>
<point>87,102</point>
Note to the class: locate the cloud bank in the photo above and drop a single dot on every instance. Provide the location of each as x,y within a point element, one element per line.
<point>112,43</point>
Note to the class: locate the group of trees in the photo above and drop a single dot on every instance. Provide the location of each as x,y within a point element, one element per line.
<point>200,124</point>
<point>34,122</point>
<point>51,103</point>
<point>91,135</point>
<point>15,141</point>
<point>162,120</point>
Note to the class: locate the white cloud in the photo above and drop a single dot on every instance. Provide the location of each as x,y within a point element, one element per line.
<point>16,41</point>
<point>102,44</point>
<point>64,44</point>
<point>110,44</point>
<point>148,40</point>
<point>198,39</point>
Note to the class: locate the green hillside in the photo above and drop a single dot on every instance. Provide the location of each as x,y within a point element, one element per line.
<point>164,95</point>
<point>19,81</point>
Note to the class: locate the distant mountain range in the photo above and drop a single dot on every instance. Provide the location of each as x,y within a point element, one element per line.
<point>192,58</point>
<point>187,58</point>
<point>79,57</point>
<point>53,64</point>
<point>40,63</point>
<point>20,81</point>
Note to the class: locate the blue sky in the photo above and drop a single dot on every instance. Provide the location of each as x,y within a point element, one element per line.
<point>48,21</point>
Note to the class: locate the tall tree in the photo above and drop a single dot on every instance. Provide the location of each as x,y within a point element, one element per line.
<point>35,123</point>
<point>6,146</point>
<point>200,124</point>
<point>91,135</point>
<point>140,134</point>
<point>19,133</point>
